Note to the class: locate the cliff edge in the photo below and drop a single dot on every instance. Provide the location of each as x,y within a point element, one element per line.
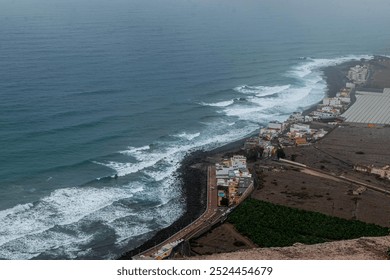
<point>365,248</point>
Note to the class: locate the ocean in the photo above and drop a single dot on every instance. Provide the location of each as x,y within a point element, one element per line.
<point>101,100</point>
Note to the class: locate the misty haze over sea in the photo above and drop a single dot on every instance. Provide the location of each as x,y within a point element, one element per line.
<point>92,88</point>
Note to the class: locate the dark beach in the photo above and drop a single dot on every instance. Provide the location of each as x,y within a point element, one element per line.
<point>192,172</point>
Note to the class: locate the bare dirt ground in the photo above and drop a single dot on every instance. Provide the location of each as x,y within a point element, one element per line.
<point>336,154</point>
<point>380,78</point>
<point>366,248</point>
<point>222,239</point>
<point>292,188</point>
<point>345,146</point>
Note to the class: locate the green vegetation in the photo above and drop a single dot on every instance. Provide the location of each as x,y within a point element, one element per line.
<point>270,225</point>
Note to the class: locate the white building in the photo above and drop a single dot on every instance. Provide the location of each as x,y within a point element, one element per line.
<point>222,172</point>
<point>320,114</point>
<point>334,101</point>
<point>358,74</point>
<point>296,117</point>
<point>300,127</point>
<point>238,161</point>
<point>308,119</point>
<point>345,100</point>
<point>269,133</point>
<point>276,125</point>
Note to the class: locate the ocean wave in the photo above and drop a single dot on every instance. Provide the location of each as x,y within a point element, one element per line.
<point>162,172</point>
<point>23,223</point>
<point>174,152</point>
<point>261,90</point>
<point>314,64</point>
<point>187,136</point>
<point>310,88</point>
<point>218,104</point>
<point>134,150</point>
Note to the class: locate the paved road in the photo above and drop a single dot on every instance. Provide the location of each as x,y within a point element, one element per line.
<point>210,216</point>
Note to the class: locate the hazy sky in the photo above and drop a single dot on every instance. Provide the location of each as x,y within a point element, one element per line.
<point>298,7</point>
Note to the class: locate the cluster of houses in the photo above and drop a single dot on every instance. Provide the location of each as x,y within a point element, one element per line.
<point>296,130</point>
<point>233,179</point>
<point>332,107</point>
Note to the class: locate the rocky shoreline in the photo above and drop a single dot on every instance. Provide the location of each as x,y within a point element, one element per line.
<point>192,171</point>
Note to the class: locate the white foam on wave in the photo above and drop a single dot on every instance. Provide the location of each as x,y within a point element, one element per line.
<point>309,89</point>
<point>149,219</point>
<point>163,172</point>
<point>261,90</point>
<point>171,155</point>
<point>218,104</point>
<point>145,157</point>
<point>135,150</point>
<point>32,245</point>
<point>124,230</point>
<point>314,64</point>
<point>187,136</point>
<point>23,223</point>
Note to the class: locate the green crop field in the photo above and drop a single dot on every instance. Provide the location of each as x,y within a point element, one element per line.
<point>271,225</point>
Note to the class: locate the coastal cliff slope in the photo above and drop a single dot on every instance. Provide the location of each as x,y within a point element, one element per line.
<point>365,248</point>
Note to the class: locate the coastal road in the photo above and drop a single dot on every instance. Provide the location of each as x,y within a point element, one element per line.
<point>211,215</point>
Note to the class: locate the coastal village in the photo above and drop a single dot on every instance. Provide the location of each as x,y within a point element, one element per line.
<point>332,159</point>
<point>303,129</point>
<point>234,177</point>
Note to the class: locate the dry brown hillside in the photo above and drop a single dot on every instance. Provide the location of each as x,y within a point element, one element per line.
<point>365,248</point>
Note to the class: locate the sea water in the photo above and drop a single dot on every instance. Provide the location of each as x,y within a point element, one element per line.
<point>101,100</point>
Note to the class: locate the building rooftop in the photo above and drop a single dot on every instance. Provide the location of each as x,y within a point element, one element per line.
<point>370,107</point>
